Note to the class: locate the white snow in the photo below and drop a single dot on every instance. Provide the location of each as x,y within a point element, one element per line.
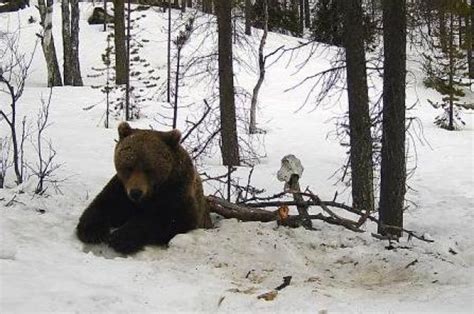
<point>44,268</point>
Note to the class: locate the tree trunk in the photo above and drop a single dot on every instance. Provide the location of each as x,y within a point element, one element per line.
<point>301,17</point>
<point>442,28</point>
<point>168,76</point>
<point>47,43</point>
<point>105,13</point>
<point>393,168</point>
<point>451,60</point>
<point>76,65</point>
<point>67,48</point>
<point>294,4</point>
<point>176,89</point>
<point>469,37</point>
<point>119,38</point>
<point>460,30</point>
<point>307,13</point>
<point>359,116</point>
<point>261,77</point>
<point>248,17</point>
<point>127,64</point>
<point>230,145</point>
<point>207,6</point>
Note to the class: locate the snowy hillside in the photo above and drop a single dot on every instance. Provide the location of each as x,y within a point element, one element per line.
<point>44,267</point>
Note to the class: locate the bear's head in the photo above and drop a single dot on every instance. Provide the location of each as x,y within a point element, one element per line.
<point>144,160</point>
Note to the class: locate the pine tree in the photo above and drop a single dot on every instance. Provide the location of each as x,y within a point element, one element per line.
<point>281,18</point>
<point>446,67</point>
<point>359,116</point>
<point>119,37</point>
<point>327,26</point>
<point>328,22</point>
<point>230,145</point>
<point>393,166</point>
<point>143,78</point>
<point>470,41</point>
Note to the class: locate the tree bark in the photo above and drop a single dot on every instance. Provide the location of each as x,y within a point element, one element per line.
<point>47,43</point>
<point>442,27</point>
<point>451,60</point>
<point>248,17</point>
<point>261,77</point>
<point>359,116</point>
<point>168,73</point>
<point>119,38</point>
<point>230,145</point>
<point>301,16</point>
<point>469,40</point>
<point>76,66</point>
<point>393,168</point>
<point>207,6</point>
<point>67,48</point>
<point>307,13</point>
<point>127,63</point>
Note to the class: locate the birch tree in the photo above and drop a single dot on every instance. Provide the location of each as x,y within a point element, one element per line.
<point>261,77</point>
<point>47,42</point>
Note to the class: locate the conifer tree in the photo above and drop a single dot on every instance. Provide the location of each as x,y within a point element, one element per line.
<point>446,67</point>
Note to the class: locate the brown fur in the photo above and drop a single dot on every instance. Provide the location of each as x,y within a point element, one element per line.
<point>155,194</point>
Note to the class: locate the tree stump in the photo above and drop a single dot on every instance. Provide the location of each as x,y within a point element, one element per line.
<point>290,172</point>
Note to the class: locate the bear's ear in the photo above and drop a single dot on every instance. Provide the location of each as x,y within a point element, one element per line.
<point>124,130</point>
<point>172,138</point>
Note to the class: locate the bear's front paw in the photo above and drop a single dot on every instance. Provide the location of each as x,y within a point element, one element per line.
<point>124,242</point>
<point>92,233</point>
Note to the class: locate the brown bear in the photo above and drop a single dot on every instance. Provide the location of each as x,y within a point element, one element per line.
<point>155,194</point>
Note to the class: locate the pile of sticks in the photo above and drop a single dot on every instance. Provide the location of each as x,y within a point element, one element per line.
<point>258,209</point>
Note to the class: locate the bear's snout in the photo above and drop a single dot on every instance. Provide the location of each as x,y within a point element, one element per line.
<point>135,195</point>
<point>137,186</point>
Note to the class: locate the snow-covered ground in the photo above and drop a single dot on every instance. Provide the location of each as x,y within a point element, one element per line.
<point>44,268</point>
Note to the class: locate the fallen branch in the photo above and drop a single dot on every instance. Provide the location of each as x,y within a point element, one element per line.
<point>254,212</point>
<point>231,210</point>
<point>290,172</point>
<point>243,213</point>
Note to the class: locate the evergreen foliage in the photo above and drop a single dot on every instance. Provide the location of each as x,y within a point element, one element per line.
<point>328,20</point>
<point>282,19</point>
<point>142,75</point>
<point>445,66</point>
<point>327,26</point>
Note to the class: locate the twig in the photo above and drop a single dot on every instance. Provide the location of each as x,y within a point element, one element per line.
<point>254,212</point>
<point>286,283</point>
<point>412,263</point>
<point>195,125</point>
